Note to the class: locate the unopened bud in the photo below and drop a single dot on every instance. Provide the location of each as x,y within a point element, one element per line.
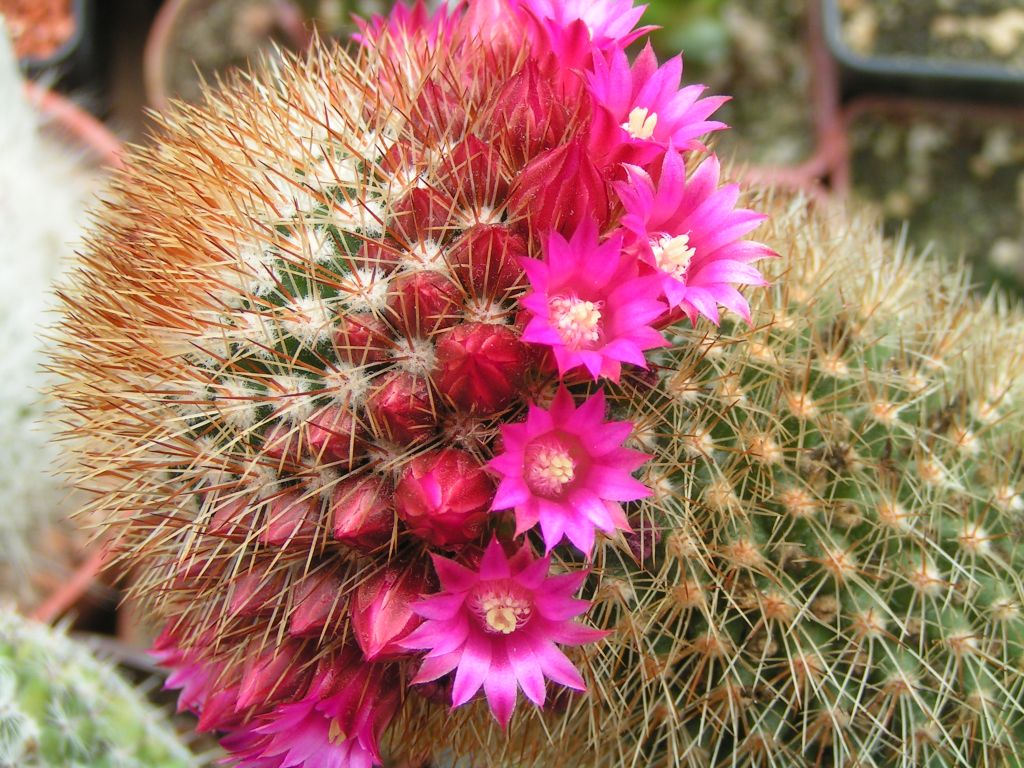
<point>486,260</point>
<point>444,497</point>
<point>480,367</point>
<point>400,409</point>
<point>291,519</point>
<point>382,614</point>
<point>422,303</point>
<point>362,512</point>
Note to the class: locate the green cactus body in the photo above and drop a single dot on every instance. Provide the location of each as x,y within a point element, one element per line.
<point>59,706</point>
<point>837,580</point>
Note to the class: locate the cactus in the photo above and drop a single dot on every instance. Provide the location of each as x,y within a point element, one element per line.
<point>42,207</point>
<point>412,390</point>
<point>59,705</point>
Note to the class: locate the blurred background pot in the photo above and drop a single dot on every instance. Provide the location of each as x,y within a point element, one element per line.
<point>932,48</point>
<point>192,41</point>
<point>56,44</point>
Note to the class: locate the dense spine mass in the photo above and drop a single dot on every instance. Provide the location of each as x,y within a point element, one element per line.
<point>378,359</point>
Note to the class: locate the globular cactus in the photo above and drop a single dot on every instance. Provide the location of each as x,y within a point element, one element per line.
<point>401,377</point>
<point>60,706</point>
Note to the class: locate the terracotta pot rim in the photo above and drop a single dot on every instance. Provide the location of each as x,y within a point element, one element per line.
<point>79,123</point>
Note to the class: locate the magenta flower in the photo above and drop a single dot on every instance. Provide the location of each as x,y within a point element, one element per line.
<point>610,24</point>
<point>590,305</point>
<point>406,25</point>
<point>337,724</point>
<point>691,233</point>
<point>566,469</point>
<point>497,627</point>
<point>644,108</point>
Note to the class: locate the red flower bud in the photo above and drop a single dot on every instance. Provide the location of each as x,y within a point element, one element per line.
<point>527,118</point>
<point>362,339</point>
<point>400,409</point>
<point>558,190</point>
<point>438,114</point>
<point>381,611</point>
<point>362,512</point>
<point>377,255</point>
<point>486,259</point>
<point>480,367</point>
<point>472,174</point>
<point>422,214</point>
<point>233,517</point>
<point>333,435</point>
<point>199,570</point>
<point>275,674</point>
<point>255,591</point>
<point>217,712</point>
<point>643,540</point>
<point>291,519</point>
<point>444,497</point>
<point>421,303</point>
<point>317,600</point>
<point>282,442</point>
<point>400,162</point>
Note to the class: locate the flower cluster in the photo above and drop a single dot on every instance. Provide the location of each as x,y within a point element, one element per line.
<point>509,217</point>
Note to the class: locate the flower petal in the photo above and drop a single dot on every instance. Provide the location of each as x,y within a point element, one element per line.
<point>502,691</point>
<point>473,669</point>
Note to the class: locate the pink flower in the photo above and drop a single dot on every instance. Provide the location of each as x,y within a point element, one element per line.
<point>589,304</point>
<point>406,27</point>
<point>566,469</point>
<point>643,107</point>
<point>610,24</point>
<point>337,724</point>
<point>690,232</point>
<point>497,627</point>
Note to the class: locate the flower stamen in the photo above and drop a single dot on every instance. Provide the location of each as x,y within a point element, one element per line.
<point>641,123</point>
<point>549,469</point>
<point>577,322</point>
<point>501,609</point>
<point>673,255</point>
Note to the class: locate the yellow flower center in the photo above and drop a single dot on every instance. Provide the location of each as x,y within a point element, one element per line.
<point>549,470</point>
<point>503,607</point>
<point>672,255</point>
<point>641,123</point>
<point>577,322</point>
<point>335,734</point>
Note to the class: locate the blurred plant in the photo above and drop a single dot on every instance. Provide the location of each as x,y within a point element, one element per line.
<point>410,398</point>
<point>695,27</point>
<point>43,193</point>
<point>60,706</point>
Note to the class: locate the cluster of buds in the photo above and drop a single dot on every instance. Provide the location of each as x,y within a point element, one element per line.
<point>411,460</point>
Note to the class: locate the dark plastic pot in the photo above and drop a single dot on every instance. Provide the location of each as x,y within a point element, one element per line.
<point>918,75</point>
<point>75,66</point>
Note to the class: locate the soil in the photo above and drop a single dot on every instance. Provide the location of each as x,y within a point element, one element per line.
<point>958,180</point>
<point>213,36</point>
<point>977,31</point>
<point>38,27</point>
